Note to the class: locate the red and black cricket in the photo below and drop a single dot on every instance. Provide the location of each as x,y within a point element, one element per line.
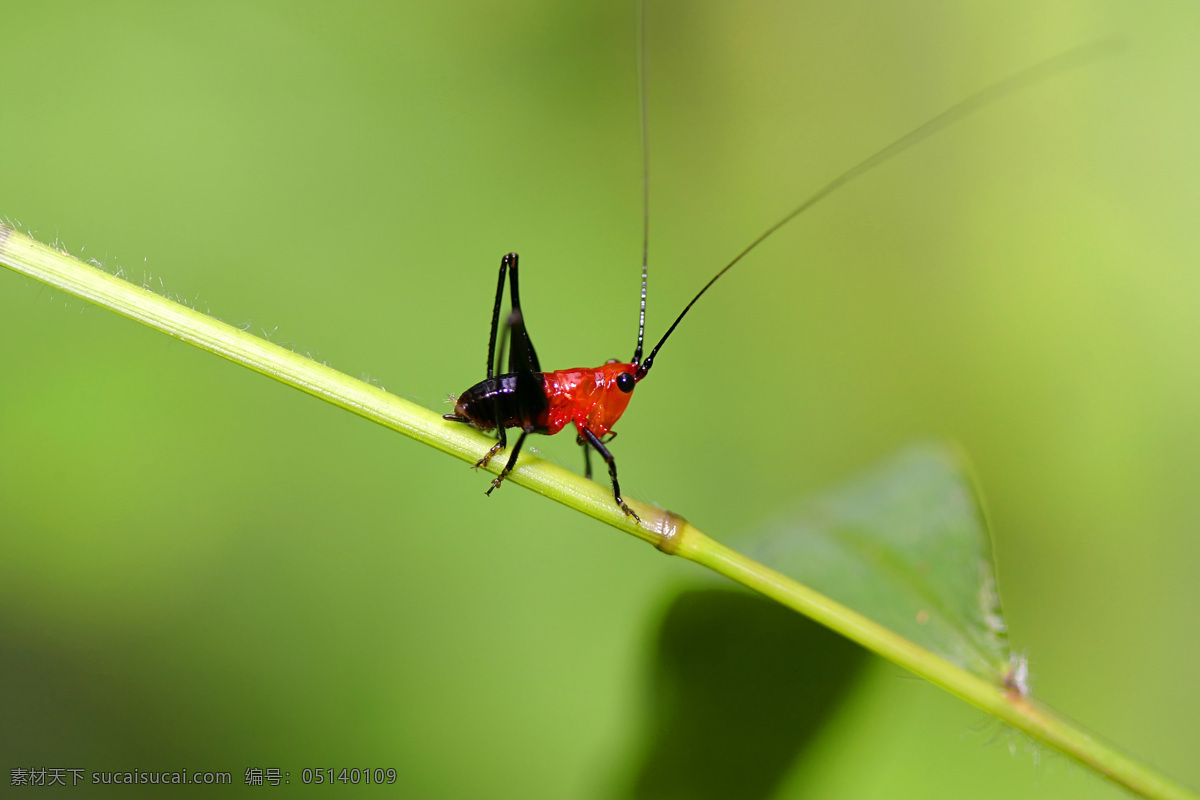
<point>594,398</point>
<point>546,402</point>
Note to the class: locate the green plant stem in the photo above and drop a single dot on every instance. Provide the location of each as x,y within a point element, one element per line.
<point>666,531</point>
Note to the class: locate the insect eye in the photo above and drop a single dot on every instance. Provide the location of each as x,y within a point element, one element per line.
<point>625,382</point>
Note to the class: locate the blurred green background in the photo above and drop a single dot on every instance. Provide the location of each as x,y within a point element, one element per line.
<point>202,569</point>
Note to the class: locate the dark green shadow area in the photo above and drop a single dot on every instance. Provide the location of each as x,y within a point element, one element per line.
<point>740,688</point>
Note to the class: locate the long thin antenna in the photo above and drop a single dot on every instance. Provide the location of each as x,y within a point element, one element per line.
<point>984,97</point>
<point>645,128</point>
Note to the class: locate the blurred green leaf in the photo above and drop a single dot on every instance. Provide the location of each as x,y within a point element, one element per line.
<point>905,544</point>
<point>740,685</point>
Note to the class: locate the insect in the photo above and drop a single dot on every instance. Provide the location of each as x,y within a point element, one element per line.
<point>594,398</point>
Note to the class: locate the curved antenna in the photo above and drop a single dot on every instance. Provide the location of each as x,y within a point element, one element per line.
<point>984,97</point>
<point>645,129</point>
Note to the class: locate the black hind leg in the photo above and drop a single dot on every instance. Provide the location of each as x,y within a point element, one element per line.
<point>512,462</point>
<point>496,448</point>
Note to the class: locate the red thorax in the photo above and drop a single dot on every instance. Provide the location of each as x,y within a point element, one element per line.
<point>587,396</point>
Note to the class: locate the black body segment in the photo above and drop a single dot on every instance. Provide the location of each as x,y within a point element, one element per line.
<point>505,401</point>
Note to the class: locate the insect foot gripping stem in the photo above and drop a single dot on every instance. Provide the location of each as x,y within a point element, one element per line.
<point>512,462</point>
<point>483,462</point>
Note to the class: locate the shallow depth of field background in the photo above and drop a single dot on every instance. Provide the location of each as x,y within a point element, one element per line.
<point>202,569</point>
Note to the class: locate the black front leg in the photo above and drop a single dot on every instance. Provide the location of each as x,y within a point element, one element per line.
<point>595,442</point>
<point>587,456</point>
